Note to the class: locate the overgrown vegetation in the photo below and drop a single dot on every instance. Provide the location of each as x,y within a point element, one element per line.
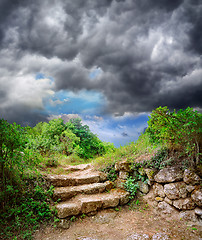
<point>24,152</point>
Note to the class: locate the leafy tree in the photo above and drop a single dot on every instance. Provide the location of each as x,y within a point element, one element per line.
<point>180,130</point>
<point>90,145</point>
<point>12,159</point>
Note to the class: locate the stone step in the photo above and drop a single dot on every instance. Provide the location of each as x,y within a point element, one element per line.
<point>91,203</point>
<point>79,167</point>
<point>65,193</point>
<point>76,178</point>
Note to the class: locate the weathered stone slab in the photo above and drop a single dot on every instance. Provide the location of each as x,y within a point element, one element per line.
<point>122,166</point>
<point>176,190</point>
<point>184,204</point>
<point>190,177</point>
<point>65,193</point>
<point>90,204</point>
<point>68,209</point>
<point>158,190</point>
<point>79,167</point>
<point>124,197</point>
<point>73,179</point>
<point>197,196</point>
<point>110,201</point>
<point>168,175</point>
<point>143,187</point>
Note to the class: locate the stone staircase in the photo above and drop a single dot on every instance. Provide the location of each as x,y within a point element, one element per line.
<point>84,191</point>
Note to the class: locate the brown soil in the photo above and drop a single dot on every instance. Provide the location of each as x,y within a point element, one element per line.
<point>120,223</point>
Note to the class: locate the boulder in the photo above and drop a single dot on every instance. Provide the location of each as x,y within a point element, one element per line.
<point>198,211</point>
<point>175,190</point>
<point>190,188</point>
<point>122,166</point>
<point>168,175</point>
<point>197,196</point>
<point>158,190</point>
<point>191,177</point>
<point>166,208</point>
<point>123,174</point>
<point>167,200</point>
<point>143,187</point>
<point>150,174</point>
<point>184,204</point>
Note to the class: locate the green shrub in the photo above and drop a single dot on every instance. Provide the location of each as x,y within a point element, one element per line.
<point>179,130</point>
<point>131,186</point>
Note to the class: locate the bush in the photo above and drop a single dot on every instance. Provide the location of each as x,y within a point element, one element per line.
<point>179,130</point>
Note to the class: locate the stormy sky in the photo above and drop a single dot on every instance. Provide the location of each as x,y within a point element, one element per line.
<point>111,62</point>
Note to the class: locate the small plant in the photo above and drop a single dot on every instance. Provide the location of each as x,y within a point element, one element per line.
<point>110,171</point>
<point>131,186</point>
<point>73,219</point>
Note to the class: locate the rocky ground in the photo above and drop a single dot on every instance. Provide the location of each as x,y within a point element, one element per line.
<point>137,221</point>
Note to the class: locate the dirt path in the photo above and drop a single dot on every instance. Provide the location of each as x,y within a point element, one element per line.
<point>121,223</point>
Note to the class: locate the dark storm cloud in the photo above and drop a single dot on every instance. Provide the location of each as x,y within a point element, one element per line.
<point>22,115</point>
<point>149,51</point>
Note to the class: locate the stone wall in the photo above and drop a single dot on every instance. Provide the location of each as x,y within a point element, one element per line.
<point>172,190</point>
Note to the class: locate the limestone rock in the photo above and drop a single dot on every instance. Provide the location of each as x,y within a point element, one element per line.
<point>175,190</point>
<point>90,205</point>
<point>165,208</point>
<point>160,236</point>
<point>122,166</point>
<point>188,216</point>
<point>143,187</point>
<point>198,211</point>
<point>137,236</point>
<point>184,204</point>
<point>158,199</point>
<point>168,175</point>
<point>190,188</point>
<point>158,190</point>
<point>67,209</point>
<point>167,200</point>
<point>123,174</point>
<point>119,183</point>
<point>150,174</point>
<point>197,196</point>
<point>190,177</point>
<point>124,198</point>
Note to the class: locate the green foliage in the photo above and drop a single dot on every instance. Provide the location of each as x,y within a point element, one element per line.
<point>110,171</point>
<point>90,145</point>
<point>131,186</point>
<point>25,210</point>
<point>179,130</point>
